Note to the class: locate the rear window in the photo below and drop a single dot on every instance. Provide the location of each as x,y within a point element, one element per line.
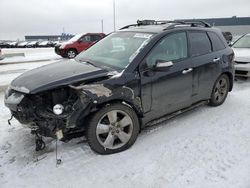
<point>199,43</point>
<point>216,42</point>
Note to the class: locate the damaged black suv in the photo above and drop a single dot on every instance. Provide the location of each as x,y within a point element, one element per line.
<point>152,70</point>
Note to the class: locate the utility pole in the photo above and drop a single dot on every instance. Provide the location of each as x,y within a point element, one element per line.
<point>102,25</point>
<point>114,12</point>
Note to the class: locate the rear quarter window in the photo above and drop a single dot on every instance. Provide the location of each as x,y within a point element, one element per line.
<point>216,42</point>
<point>199,43</point>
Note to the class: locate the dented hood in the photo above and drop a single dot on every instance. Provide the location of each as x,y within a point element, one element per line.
<point>55,75</point>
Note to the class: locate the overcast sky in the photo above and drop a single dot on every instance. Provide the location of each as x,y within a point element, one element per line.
<point>41,17</point>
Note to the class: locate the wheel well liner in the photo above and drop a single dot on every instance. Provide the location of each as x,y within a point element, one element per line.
<point>127,103</point>
<point>231,79</point>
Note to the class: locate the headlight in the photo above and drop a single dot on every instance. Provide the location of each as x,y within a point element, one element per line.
<point>7,92</point>
<point>58,109</point>
<point>62,46</point>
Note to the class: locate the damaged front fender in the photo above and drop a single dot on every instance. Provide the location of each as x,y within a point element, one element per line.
<point>97,94</point>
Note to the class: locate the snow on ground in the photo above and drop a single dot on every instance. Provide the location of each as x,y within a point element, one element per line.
<point>207,147</point>
<point>31,54</point>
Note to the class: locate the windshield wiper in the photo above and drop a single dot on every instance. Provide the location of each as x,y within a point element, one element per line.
<point>88,62</point>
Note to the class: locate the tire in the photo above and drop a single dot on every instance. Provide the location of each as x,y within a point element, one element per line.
<point>71,53</point>
<point>112,129</point>
<point>64,55</point>
<point>220,91</point>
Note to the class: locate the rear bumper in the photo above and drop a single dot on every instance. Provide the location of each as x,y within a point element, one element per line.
<point>242,70</point>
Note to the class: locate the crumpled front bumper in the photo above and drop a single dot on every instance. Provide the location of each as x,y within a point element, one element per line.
<point>13,99</point>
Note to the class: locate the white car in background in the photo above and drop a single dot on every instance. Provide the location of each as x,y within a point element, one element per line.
<point>242,56</point>
<point>1,55</point>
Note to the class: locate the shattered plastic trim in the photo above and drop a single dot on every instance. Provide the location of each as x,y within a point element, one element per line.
<point>97,89</point>
<point>21,89</point>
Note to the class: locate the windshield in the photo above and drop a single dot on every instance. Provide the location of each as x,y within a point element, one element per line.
<point>243,42</point>
<point>116,50</point>
<point>75,38</point>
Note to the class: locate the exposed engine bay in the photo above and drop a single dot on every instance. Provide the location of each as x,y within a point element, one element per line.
<point>47,112</point>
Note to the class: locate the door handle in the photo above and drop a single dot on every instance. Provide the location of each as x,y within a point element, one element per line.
<point>216,59</point>
<point>185,71</point>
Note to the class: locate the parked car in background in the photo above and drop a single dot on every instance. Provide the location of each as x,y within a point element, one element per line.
<point>228,36</point>
<point>77,44</point>
<point>1,55</point>
<point>235,38</point>
<point>13,44</point>
<point>4,45</point>
<point>22,44</point>
<point>45,44</point>
<point>125,82</point>
<point>242,56</point>
<point>32,44</point>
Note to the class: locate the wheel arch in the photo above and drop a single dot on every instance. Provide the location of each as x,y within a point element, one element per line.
<point>127,103</point>
<point>231,79</point>
<point>71,48</point>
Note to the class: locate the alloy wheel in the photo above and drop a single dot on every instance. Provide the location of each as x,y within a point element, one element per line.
<point>114,129</point>
<point>221,89</point>
<point>71,54</point>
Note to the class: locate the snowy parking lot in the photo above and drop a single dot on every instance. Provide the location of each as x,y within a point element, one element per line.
<point>206,147</point>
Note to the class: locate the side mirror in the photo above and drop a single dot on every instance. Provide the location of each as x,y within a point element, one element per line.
<point>163,65</point>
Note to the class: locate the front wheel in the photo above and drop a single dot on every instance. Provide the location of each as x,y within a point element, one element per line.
<point>71,53</point>
<point>112,129</point>
<point>220,91</point>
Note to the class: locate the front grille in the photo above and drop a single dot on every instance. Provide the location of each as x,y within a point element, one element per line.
<point>239,62</point>
<point>241,72</point>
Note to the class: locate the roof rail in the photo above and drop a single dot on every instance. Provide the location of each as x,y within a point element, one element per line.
<point>173,23</point>
<point>144,22</point>
<point>195,23</point>
<point>127,26</point>
<point>188,23</point>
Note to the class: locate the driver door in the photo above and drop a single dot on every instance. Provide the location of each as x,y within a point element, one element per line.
<point>167,89</point>
<point>84,42</point>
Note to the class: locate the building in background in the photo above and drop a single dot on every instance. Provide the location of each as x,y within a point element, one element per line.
<point>235,25</point>
<point>62,37</point>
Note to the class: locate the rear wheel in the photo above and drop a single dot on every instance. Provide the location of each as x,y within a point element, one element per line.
<point>112,129</point>
<point>220,91</point>
<point>71,53</point>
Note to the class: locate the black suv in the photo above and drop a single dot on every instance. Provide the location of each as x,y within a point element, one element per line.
<point>152,70</point>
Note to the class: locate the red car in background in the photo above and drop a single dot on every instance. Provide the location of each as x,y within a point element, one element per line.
<point>77,44</point>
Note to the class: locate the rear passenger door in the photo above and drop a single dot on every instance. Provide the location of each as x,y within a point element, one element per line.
<point>205,63</point>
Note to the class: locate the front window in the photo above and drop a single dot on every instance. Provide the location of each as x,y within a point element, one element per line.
<point>116,50</point>
<point>170,48</point>
<point>85,38</point>
<point>243,42</point>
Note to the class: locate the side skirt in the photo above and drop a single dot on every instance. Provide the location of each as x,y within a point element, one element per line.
<point>176,113</point>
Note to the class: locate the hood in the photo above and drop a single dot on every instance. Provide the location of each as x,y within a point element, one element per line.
<point>242,54</point>
<point>67,43</point>
<point>54,75</point>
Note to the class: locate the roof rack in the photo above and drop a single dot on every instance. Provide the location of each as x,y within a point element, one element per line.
<point>172,23</point>
<point>144,22</point>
